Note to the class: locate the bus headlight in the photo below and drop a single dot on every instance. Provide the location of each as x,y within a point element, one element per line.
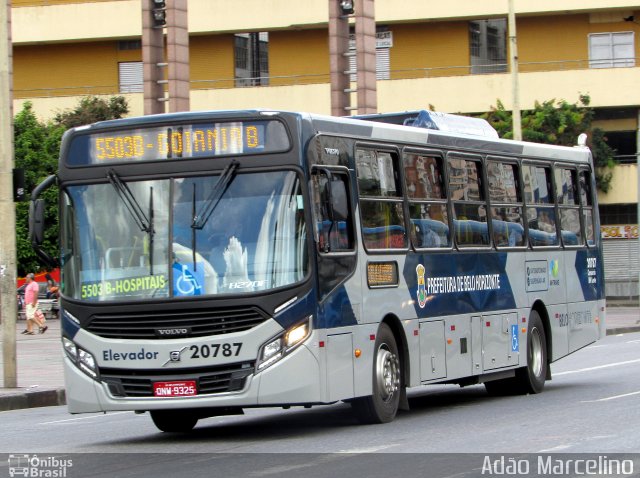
<point>71,349</point>
<point>284,343</point>
<point>81,358</point>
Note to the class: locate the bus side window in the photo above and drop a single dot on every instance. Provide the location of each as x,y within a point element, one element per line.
<point>541,215</point>
<point>506,201</point>
<point>586,204</point>
<point>332,211</point>
<point>469,206</point>
<point>381,206</point>
<point>569,206</point>
<point>427,201</point>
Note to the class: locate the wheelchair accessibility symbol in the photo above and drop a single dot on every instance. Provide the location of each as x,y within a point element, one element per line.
<point>186,281</point>
<point>515,345</point>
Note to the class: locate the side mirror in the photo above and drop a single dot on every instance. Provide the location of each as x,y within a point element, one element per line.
<point>36,221</point>
<point>339,200</point>
<point>37,209</point>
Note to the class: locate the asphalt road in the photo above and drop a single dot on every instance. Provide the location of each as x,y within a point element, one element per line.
<point>590,406</point>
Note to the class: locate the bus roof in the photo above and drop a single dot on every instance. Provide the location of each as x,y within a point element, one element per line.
<point>372,127</point>
<point>381,128</point>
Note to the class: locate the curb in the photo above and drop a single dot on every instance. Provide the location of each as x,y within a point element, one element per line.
<point>40,398</point>
<point>624,330</point>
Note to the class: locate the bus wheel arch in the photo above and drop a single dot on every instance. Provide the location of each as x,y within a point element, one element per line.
<point>532,377</point>
<point>388,383</point>
<point>403,348</point>
<point>543,313</point>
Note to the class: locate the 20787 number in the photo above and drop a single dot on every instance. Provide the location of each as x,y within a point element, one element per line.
<point>216,350</point>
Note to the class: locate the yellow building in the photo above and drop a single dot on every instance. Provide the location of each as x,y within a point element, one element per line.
<point>274,54</point>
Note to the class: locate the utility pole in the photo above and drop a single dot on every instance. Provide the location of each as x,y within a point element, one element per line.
<point>154,63</point>
<point>8,310</point>
<point>366,56</point>
<point>339,12</point>
<point>515,86</point>
<point>165,66</point>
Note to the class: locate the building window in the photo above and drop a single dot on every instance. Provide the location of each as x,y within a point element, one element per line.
<point>624,143</point>
<point>384,42</point>
<point>130,78</point>
<point>126,45</point>
<point>252,59</point>
<point>488,46</point>
<point>612,50</point>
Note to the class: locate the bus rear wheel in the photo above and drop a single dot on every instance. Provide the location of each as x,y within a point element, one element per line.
<point>382,405</point>
<point>530,379</point>
<point>174,421</point>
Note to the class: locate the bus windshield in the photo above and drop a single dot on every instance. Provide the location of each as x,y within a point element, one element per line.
<point>253,237</point>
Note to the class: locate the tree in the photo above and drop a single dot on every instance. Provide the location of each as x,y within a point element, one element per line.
<point>37,145</point>
<point>36,151</point>
<point>92,109</point>
<point>560,123</point>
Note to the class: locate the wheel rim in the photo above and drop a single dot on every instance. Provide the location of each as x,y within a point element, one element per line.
<point>536,352</point>
<point>387,373</point>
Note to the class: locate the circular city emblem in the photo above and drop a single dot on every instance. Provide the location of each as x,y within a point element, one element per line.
<point>422,293</point>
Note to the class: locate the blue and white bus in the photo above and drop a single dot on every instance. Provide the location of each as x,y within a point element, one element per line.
<point>214,261</point>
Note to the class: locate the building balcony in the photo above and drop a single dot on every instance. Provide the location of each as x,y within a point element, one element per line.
<point>458,92</point>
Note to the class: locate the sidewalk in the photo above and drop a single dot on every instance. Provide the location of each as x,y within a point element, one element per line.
<point>40,371</point>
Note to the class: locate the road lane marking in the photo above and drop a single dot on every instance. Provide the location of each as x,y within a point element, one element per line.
<point>83,418</point>
<point>611,398</point>
<point>598,367</point>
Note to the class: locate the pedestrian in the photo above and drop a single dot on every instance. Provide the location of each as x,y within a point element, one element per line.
<point>31,307</point>
<point>52,287</point>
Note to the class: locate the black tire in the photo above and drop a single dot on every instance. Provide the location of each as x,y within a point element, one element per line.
<point>382,406</point>
<point>174,421</point>
<point>529,379</point>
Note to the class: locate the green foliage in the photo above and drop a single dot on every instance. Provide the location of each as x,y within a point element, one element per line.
<point>36,151</point>
<point>37,145</point>
<point>559,123</point>
<point>92,109</point>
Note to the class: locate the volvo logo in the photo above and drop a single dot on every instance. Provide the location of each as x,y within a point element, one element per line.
<point>174,356</point>
<point>173,332</point>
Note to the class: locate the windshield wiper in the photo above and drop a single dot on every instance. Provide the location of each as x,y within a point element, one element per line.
<point>144,222</point>
<point>201,217</point>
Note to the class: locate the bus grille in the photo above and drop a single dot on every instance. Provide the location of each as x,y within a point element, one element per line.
<point>209,380</point>
<point>201,323</point>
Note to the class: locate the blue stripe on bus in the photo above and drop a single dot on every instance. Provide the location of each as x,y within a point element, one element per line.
<point>68,326</point>
<point>301,309</point>
<point>336,310</point>
<point>590,271</point>
<point>461,284</point>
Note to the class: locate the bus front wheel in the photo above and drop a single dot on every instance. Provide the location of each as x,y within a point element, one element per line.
<point>382,405</point>
<point>174,421</point>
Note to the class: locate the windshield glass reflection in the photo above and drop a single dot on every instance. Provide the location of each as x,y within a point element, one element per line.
<point>253,240</point>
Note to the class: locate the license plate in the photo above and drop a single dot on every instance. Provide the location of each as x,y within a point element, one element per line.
<point>175,389</point>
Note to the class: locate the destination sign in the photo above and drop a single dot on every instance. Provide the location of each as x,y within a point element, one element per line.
<point>179,142</point>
